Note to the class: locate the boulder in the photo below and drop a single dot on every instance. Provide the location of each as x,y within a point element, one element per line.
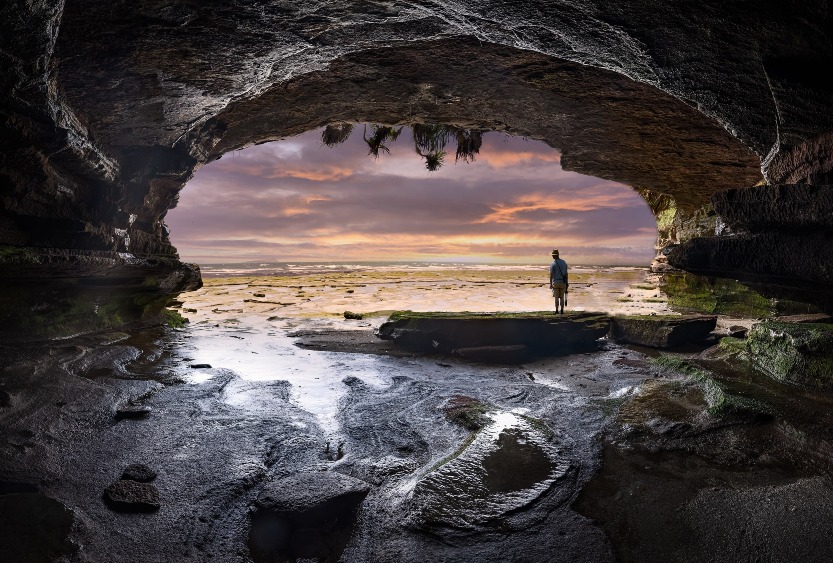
<point>800,353</point>
<point>138,472</point>
<point>308,515</point>
<point>130,496</point>
<point>661,331</point>
<point>486,336</point>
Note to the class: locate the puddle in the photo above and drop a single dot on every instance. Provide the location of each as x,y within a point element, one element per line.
<point>255,353</point>
<point>506,466</point>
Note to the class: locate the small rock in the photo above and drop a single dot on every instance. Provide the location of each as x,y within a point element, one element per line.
<point>130,496</point>
<point>132,411</point>
<point>737,331</point>
<point>200,366</point>
<point>259,294</point>
<point>138,472</point>
<point>353,316</point>
<point>5,399</point>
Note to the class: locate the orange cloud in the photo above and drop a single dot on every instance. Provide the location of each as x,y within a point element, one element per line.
<point>324,174</point>
<point>512,212</point>
<point>508,158</point>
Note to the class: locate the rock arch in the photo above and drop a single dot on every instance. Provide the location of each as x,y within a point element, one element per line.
<point>109,107</point>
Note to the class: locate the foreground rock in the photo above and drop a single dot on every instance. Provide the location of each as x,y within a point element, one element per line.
<point>131,496</point>
<point>661,331</point>
<point>799,353</point>
<point>309,515</point>
<point>508,463</point>
<point>495,337</point>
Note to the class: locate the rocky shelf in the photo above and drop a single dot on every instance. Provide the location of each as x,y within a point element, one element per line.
<point>495,337</point>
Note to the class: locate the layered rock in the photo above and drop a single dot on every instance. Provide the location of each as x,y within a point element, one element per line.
<point>495,337</point>
<point>775,238</point>
<point>662,331</point>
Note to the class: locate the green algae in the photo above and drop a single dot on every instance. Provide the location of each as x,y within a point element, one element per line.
<point>173,318</point>
<point>467,412</point>
<point>800,353</point>
<point>721,402</point>
<point>687,292</point>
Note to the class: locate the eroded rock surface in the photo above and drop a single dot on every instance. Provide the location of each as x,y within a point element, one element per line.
<point>308,515</point>
<point>662,331</point>
<point>799,353</point>
<point>774,238</point>
<point>508,464</point>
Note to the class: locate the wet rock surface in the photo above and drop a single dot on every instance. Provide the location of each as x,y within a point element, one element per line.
<point>662,331</point>
<point>372,457</point>
<point>511,338</point>
<point>307,515</point>
<point>505,466</point>
<point>800,353</point>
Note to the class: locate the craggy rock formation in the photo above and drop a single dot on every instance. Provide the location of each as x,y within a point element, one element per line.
<point>800,353</point>
<point>109,107</point>
<point>775,238</point>
<point>661,331</point>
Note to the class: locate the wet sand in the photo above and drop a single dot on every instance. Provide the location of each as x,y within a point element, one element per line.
<point>375,293</point>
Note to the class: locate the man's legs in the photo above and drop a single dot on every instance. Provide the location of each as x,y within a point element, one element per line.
<point>558,293</point>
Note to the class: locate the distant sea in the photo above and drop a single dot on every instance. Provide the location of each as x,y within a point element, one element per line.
<point>303,268</point>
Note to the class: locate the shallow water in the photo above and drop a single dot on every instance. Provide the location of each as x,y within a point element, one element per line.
<point>232,329</point>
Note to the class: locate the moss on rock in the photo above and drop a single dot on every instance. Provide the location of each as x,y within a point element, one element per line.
<point>687,292</point>
<point>800,353</point>
<point>721,402</point>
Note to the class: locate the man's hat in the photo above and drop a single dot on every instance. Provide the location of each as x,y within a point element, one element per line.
<point>555,252</point>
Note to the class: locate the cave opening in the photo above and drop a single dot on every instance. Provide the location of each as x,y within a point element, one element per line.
<point>411,201</point>
<point>313,407</point>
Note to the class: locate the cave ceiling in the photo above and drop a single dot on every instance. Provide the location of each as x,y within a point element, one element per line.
<point>108,107</point>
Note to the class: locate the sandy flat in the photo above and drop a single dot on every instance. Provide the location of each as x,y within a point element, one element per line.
<point>376,293</point>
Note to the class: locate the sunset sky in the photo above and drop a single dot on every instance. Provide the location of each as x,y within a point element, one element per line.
<point>298,200</point>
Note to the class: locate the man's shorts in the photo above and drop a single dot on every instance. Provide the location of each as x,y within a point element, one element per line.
<point>558,290</point>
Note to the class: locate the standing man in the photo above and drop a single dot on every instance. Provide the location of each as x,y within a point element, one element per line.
<point>558,281</point>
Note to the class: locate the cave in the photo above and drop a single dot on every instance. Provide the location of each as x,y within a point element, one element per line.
<point>718,115</point>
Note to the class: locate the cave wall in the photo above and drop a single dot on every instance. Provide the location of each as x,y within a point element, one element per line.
<point>108,107</point>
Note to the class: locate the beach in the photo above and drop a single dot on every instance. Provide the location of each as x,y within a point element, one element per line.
<point>321,291</point>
